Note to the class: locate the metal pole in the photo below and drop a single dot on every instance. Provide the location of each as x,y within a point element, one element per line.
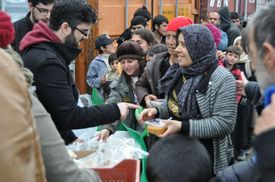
<point>126,14</point>
<point>146,4</point>
<point>237,6</point>
<point>177,8</point>
<point>152,8</point>
<point>160,7</point>
<point>245,10</point>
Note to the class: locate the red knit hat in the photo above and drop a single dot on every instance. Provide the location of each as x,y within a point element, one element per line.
<point>6,30</point>
<point>178,22</point>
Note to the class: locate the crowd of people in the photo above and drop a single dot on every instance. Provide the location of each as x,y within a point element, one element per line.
<point>213,80</point>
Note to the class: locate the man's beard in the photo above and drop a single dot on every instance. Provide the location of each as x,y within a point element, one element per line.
<point>264,78</point>
<point>70,40</point>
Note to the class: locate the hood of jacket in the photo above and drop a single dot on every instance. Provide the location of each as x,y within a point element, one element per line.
<point>40,33</point>
<point>225,20</point>
<point>44,38</point>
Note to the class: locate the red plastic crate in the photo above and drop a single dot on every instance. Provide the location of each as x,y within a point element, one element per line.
<point>126,171</point>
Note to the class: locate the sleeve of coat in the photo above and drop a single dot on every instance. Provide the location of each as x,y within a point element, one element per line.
<point>59,167</point>
<point>57,96</point>
<point>113,98</point>
<point>142,88</point>
<point>93,79</point>
<point>264,145</point>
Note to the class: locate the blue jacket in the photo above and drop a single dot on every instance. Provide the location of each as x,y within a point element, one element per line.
<point>224,41</point>
<point>97,69</point>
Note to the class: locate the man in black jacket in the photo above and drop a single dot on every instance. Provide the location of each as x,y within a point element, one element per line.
<point>227,26</point>
<point>40,10</point>
<point>48,51</point>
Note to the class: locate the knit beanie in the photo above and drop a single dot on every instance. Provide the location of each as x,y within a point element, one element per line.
<point>129,50</point>
<point>178,22</point>
<point>215,32</point>
<point>6,30</point>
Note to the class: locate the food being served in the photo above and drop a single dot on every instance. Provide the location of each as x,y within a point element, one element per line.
<point>155,126</point>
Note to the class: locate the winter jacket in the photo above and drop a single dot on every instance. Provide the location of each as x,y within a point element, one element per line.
<point>147,83</point>
<point>20,153</point>
<point>239,172</point>
<point>121,92</point>
<point>264,145</point>
<point>215,95</point>
<point>49,61</point>
<point>21,27</point>
<point>97,69</point>
<point>224,41</point>
<point>126,35</point>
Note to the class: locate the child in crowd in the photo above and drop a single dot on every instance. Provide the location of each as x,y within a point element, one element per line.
<point>111,75</point>
<point>232,57</point>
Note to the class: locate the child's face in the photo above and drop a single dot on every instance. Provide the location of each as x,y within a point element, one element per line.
<point>232,58</point>
<point>114,65</point>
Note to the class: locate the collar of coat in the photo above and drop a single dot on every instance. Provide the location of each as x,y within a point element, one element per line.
<point>67,53</point>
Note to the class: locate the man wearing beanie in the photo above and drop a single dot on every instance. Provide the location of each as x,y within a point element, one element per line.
<point>146,87</point>
<point>38,10</point>
<point>228,26</point>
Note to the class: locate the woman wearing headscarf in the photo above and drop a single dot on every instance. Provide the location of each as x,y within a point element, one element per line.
<point>200,96</point>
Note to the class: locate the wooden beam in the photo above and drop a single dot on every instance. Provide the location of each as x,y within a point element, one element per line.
<point>87,54</point>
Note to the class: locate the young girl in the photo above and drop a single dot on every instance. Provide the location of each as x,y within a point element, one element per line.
<point>130,56</point>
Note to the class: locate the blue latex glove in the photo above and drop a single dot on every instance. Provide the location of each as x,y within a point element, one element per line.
<point>267,95</point>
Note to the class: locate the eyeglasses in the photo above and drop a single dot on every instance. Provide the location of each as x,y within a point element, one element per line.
<point>81,31</point>
<point>43,11</point>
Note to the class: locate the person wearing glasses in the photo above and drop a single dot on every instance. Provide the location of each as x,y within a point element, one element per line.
<point>48,50</point>
<point>39,10</point>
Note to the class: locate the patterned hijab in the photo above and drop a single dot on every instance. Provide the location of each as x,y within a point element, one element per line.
<point>202,51</point>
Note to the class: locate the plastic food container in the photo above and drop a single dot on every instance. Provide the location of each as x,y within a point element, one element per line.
<point>155,126</point>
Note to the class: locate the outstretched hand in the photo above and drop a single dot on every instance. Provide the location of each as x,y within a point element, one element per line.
<point>124,109</point>
<point>148,100</point>
<point>103,135</point>
<point>148,114</point>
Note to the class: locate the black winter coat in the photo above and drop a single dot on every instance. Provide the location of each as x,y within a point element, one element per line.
<point>57,91</point>
<point>21,27</point>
